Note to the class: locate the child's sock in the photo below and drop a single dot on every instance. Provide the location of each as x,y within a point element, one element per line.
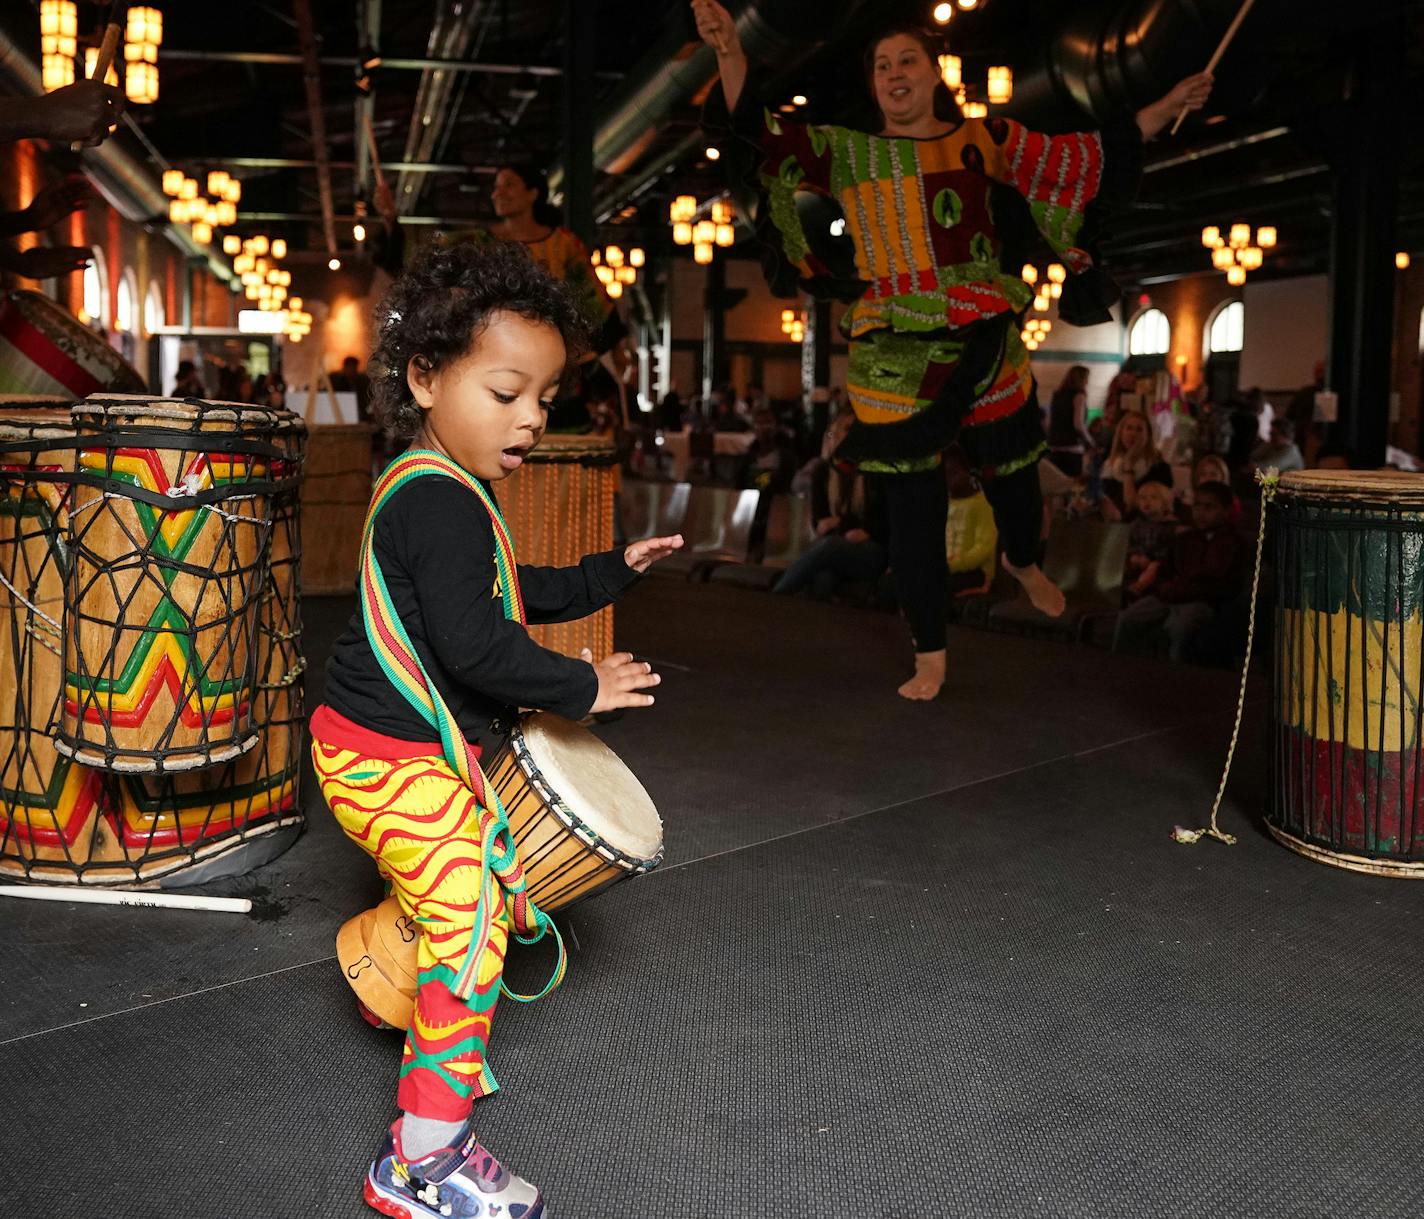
<point>419,1136</point>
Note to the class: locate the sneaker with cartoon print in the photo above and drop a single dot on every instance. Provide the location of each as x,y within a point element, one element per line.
<point>460,1182</point>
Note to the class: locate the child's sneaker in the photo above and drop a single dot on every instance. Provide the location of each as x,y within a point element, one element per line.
<point>460,1182</point>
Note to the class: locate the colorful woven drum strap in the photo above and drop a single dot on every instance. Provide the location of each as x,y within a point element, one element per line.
<point>397,657</point>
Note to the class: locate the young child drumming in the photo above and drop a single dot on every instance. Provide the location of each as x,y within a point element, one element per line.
<point>475,342</point>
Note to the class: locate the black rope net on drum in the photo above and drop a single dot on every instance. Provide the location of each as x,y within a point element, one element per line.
<point>1349,672</point>
<point>88,791</point>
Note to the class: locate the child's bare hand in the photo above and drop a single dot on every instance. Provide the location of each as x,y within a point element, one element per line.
<point>642,555</point>
<point>620,678</point>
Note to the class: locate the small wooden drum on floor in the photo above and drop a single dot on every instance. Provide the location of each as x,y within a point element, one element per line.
<point>43,350</point>
<point>1349,669</point>
<point>168,537</point>
<point>336,495</point>
<point>559,507</point>
<point>580,821</point>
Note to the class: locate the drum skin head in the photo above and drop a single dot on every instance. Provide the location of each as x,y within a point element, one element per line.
<point>591,779</point>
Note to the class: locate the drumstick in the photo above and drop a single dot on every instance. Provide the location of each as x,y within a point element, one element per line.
<point>127,897</point>
<point>1220,51</point>
<point>103,62</point>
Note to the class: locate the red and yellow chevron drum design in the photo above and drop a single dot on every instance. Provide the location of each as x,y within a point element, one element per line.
<point>260,788</point>
<point>1349,669</point>
<point>43,350</point>
<point>168,534</point>
<point>53,811</point>
<point>559,507</point>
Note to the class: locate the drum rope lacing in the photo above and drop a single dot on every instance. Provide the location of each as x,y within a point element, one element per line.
<point>1269,479</point>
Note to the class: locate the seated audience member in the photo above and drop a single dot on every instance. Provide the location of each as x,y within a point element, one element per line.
<point>725,417</point>
<point>1150,540</point>
<point>1213,430</point>
<point>670,412</point>
<point>970,536</point>
<point>770,464</point>
<point>1201,580</point>
<point>1132,460</point>
<point>1334,457</point>
<point>1280,450</point>
<point>847,518</point>
<point>1213,469</point>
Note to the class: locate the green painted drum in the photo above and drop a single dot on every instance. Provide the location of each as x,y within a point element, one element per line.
<point>1349,669</point>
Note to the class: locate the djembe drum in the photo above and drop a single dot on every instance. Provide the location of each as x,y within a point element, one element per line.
<point>1349,669</point>
<point>559,507</point>
<point>248,806</point>
<point>51,808</point>
<point>168,538</point>
<point>43,350</point>
<point>580,821</point>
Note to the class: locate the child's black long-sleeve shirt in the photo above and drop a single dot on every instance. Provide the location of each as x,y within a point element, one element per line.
<point>435,544</point>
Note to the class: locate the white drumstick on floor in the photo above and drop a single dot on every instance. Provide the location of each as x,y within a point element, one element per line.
<point>127,897</point>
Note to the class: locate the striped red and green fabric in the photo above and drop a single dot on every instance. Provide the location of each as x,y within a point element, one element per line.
<point>397,657</point>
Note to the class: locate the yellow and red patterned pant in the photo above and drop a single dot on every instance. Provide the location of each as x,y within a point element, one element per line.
<point>421,825</point>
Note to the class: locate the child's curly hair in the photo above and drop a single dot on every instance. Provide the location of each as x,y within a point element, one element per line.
<point>435,311</point>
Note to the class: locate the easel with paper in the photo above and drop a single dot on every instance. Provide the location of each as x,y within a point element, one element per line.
<point>320,404</point>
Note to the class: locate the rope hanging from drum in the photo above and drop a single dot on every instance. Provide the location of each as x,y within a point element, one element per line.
<point>398,659</point>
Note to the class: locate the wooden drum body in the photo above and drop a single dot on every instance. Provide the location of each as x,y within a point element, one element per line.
<point>255,794</point>
<point>580,821</point>
<point>168,535</point>
<point>336,495</point>
<point>559,507</point>
<point>51,808</point>
<point>1349,669</point>
<point>43,350</point>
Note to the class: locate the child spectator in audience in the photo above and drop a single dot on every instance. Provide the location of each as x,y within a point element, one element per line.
<point>1150,540</point>
<point>1213,469</point>
<point>1133,460</point>
<point>847,519</point>
<point>970,536</point>
<point>1280,450</point>
<point>1201,579</point>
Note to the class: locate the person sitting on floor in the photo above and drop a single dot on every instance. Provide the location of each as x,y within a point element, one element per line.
<point>1150,540</point>
<point>1132,460</point>
<point>970,536</point>
<point>1202,578</point>
<point>848,521</point>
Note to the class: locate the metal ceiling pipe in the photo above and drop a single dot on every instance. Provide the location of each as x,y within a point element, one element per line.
<point>126,183</point>
<point>678,67</point>
<point>453,36</point>
<point>311,80</point>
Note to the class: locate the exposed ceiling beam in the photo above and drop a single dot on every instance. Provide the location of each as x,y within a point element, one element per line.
<point>311,79</point>
<point>1212,150</point>
<point>412,167</point>
<point>315,218</point>
<point>396,63</point>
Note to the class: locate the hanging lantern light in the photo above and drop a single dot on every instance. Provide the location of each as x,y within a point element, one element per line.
<point>278,247</point>
<point>721,212</point>
<point>1236,276</point>
<point>725,235</point>
<point>233,194</point>
<point>951,71</point>
<point>626,275</point>
<point>1211,236</point>
<point>1401,260</point>
<point>172,182</point>
<point>202,232</point>
<point>704,232</point>
<point>91,60</point>
<point>702,253</point>
<point>232,244</point>
<point>1240,236</point>
<point>59,38</point>
<point>1029,274</point>
<point>227,214</point>
<point>975,110</point>
<point>177,211</point>
<point>260,245</point>
<point>613,256</point>
<point>942,13</point>
<point>1266,236</point>
<point>1001,85</point>
<point>604,273</point>
<point>141,82</point>
<point>189,189</point>
<point>217,182</point>
<point>615,290</point>
<point>1041,301</point>
<point>1055,290</point>
<point>145,26</point>
<point>242,264</point>
<point>1056,272</point>
<point>636,256</point>
<point>682,233</point>
<point>1251,258</point>
<point>1223,257</point>
<point>358,232</point>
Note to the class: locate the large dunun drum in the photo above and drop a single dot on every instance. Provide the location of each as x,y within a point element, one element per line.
<point>43,350</point>
<point>168,537</point>
<point>559,507</point>
<point>51,808</point>
<point>1349,668</point>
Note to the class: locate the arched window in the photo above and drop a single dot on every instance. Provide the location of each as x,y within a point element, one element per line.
<point>1150,334</point>
<point>153,312</point>
<point>1225,331</point>
<point>96,292</point>
<point>126,305</point>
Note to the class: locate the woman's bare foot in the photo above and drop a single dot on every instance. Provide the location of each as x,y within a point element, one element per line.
<point>1046,596</point>
<point>928,678</point>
